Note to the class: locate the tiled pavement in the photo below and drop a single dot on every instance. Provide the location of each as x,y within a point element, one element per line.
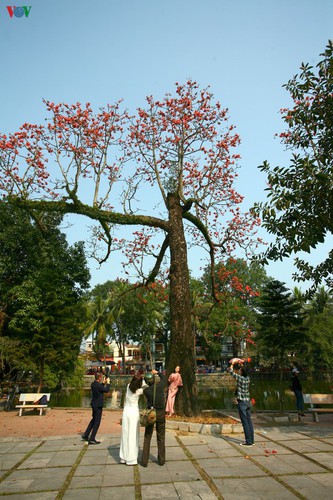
<point>287,462</point>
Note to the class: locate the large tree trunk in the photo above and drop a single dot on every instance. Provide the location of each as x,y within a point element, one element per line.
<point>182,338</point>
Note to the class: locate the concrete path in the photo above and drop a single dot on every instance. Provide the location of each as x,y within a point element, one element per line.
<point>295,461</point>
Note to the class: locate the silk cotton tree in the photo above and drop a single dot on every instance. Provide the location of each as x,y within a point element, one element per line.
<point>168,172</point>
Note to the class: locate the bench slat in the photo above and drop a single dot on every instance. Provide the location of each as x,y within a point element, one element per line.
<point>33,397</point>
<point>321,410</point>
<point>318,398</point>
<point>31,406</point>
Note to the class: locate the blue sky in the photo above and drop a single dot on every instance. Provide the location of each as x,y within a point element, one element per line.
<point>101,51</point>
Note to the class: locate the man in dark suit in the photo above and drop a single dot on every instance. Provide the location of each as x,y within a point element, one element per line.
<point>155,394</point>
<point>98,387</point>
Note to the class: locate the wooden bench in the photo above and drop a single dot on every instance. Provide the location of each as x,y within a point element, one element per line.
<point>30,401</point>
<point>318,399</point>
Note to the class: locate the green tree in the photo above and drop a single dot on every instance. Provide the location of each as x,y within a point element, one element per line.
<point>51,334</point>
<point>100,319</point>
<point>132,313</point>
<point>317,351</point>
<point>233,317</point>
<point>41,282</point>
<point>280,331</point>
<point>299,210</point>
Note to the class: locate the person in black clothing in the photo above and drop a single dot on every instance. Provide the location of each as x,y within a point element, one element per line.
<point>296,387</point>
<point>98,388</point>
<point>160,382</point>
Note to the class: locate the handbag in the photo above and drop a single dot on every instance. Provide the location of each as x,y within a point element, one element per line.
<point>148,415</point>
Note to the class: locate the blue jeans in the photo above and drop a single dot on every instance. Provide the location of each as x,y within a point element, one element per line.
<point>244,409</point>
<point>299,401</point>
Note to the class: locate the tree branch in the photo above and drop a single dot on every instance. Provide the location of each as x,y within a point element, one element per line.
<point>203,229</point>
<point>94,213</point>
<point>159,260</point>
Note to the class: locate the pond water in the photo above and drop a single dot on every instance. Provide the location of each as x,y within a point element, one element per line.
<point>267,393</point>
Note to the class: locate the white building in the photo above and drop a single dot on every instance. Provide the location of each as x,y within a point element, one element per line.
<point>114,358</point>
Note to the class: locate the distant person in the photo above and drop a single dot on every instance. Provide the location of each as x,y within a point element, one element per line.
<point>296,387</point>
<point>130,425</point>
<point>156,383</point>
<point>175,381</point>
<point>100,385</point>
<point>243,399</point>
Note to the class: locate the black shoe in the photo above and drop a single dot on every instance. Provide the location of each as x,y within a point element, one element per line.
<point>93,441</point>
<point>143,465</point>
<point>85,437</point>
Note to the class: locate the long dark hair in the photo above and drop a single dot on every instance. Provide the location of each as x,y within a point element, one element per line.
<point>135,384</point>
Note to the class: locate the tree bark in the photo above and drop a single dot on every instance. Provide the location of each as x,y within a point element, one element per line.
<point>182,338</point>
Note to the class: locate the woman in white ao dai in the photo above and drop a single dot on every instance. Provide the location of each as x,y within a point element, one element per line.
<point>130,430</point>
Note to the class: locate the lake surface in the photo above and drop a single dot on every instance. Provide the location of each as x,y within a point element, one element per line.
<point>267,394</point>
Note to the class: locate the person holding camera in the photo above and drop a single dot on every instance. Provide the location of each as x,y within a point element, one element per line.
<point>243,399</point>
<point>99,386</point>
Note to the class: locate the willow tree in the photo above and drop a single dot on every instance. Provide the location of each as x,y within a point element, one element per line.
<point>168,171</point>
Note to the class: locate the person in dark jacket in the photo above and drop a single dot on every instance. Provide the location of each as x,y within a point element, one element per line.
<point>156,382</point>
<point>296,387</point>
<point>100,385</point>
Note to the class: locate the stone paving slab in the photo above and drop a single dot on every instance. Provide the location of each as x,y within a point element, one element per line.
<point>8,460</point>
<point>189,491</point>
<point>119,493</point>
<point>47,495</point>
<point>18,446</point>
<point>154,474</point>
<point>259,488</point>
<point>287,462</point>
<point>311,486</point>
<point>230,467</point>
<point>175,453</point>
<point>86,493</point>
<point>75,444</point>
<point>201,451</point>
<point>119,475</point>
<point>110,457</point>
<point>181,471</point>
<point>325,459</point>
<point>79,482</point>
<point>152,492</point>
<point>34,480</point>
<point>116,493</point>
<point>308,445</point>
